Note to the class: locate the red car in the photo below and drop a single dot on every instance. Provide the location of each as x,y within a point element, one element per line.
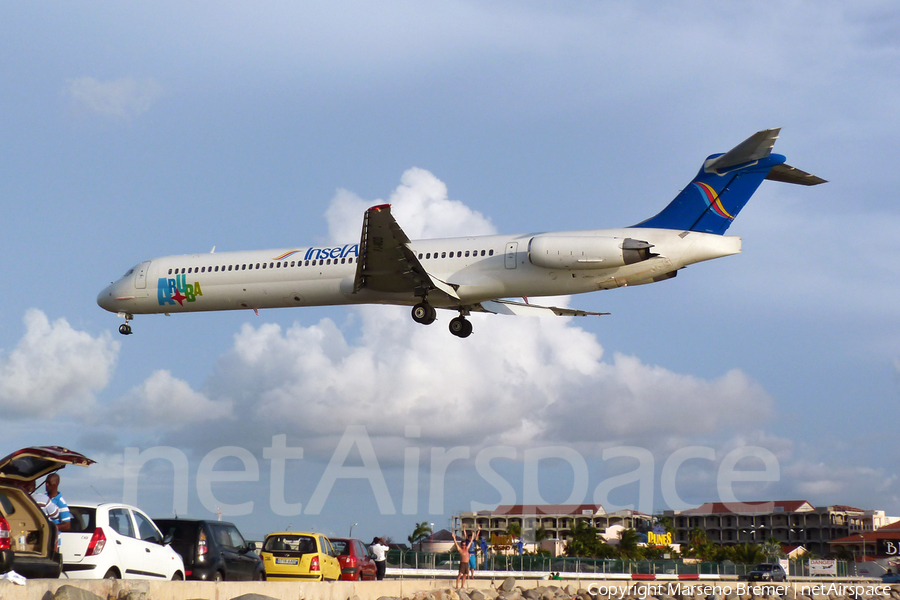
<point>356,562</point>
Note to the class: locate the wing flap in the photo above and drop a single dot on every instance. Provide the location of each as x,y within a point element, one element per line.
<point>509,307</point>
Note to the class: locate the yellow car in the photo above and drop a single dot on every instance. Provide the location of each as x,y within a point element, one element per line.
<point>292,556</point>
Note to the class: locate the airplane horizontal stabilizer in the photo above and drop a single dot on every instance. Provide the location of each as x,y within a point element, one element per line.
<point>756,147</point>
<point>508,307</point>
<point>788,174</point>
<point>724,185</point>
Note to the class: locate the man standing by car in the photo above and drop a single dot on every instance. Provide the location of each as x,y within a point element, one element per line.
<point>42,500</point>
<point>380,552</point>
<point>64,520</point>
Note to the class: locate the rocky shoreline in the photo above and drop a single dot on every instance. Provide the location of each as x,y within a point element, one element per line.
<point>675,590</point>
<point>510,589</point>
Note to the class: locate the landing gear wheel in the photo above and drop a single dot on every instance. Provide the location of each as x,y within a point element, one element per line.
<point>461,327</point>
<point>424,313</point>
<point>125,328</point>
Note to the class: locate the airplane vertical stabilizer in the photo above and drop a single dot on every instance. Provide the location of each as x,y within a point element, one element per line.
<point>724,185</point>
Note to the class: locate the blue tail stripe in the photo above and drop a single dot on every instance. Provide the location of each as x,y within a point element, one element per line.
<point>711,201</point>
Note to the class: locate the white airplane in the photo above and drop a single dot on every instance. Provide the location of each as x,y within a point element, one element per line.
<point>464,275</point>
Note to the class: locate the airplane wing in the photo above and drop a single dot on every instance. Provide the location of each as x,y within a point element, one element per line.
<point>386,262</point>
<point>508,307</point>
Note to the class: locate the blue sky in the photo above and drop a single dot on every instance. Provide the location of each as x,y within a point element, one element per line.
<point>140,130</point>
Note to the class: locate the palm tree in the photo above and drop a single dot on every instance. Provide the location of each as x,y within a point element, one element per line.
<point>772,547</point>
<point>699,545</point>
<point>749,554</point>
<point>420,534</point>
<point>628,544</point>
<point>514,530</point>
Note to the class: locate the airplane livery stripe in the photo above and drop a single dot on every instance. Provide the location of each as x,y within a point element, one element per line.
<point>712,199</point>
<point>286,254</point>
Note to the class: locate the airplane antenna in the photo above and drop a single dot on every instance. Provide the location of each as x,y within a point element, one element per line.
<point>213,251</point>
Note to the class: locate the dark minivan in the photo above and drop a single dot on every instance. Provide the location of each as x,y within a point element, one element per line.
<point>212,550</point>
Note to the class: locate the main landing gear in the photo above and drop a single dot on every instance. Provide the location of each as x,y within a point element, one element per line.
<point>461,327</point>
<point>425,314</point>
<point>125,328</point>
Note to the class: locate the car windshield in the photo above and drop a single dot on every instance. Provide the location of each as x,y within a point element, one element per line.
<point>765,567</point>
<point>301,544</point>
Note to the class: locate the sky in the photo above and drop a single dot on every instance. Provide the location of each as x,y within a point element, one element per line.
<point>133,131</point>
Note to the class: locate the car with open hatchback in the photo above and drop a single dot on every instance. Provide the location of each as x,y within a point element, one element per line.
<point>28,539</point>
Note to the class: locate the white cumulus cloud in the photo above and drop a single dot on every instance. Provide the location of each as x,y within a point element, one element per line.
<point>515,381</point>
<point>123,98</point>
<point>54,369</point>
<point>164,399</point>
<point>421,206</point>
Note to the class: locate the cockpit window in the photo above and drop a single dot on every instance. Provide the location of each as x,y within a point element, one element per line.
<point>130,271</point>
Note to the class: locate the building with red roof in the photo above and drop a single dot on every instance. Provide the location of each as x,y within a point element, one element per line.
<point>557,520</point>
<point>792,522</point>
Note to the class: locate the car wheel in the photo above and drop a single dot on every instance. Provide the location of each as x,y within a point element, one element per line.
<point>178,576</point>
<point>259,576</point>
<point>111,574</point>
<point>219,577</point>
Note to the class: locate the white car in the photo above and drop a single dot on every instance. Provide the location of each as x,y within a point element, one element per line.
<point>116,541</point>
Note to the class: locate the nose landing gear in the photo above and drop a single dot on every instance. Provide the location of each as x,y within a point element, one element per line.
<point>125,328</point>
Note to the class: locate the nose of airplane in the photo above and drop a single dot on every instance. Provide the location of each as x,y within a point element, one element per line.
<point>106,299</point>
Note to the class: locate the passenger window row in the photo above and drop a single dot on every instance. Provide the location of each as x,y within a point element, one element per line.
<point>457,254</point>
<point>251,266</point>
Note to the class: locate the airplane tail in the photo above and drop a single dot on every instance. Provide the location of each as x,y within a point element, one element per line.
<point>724,185</point>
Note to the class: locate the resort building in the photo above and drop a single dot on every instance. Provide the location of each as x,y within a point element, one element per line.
<point>557,520</point>
<point>788,521</point>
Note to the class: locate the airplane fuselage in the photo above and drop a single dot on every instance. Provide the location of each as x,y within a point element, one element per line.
<point>481,268</point>
<point>466,274</point>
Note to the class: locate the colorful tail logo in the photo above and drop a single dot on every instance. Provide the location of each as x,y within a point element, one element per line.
<point>712,199</point>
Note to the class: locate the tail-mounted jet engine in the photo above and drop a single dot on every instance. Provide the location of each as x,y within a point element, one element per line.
<point>586,252</point>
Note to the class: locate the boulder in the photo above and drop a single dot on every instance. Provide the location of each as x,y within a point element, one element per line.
<point>70,592</point>
<point>508,584</point>
<point>515,594</point>
<point>257,597</point>
<point>133,595</point>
